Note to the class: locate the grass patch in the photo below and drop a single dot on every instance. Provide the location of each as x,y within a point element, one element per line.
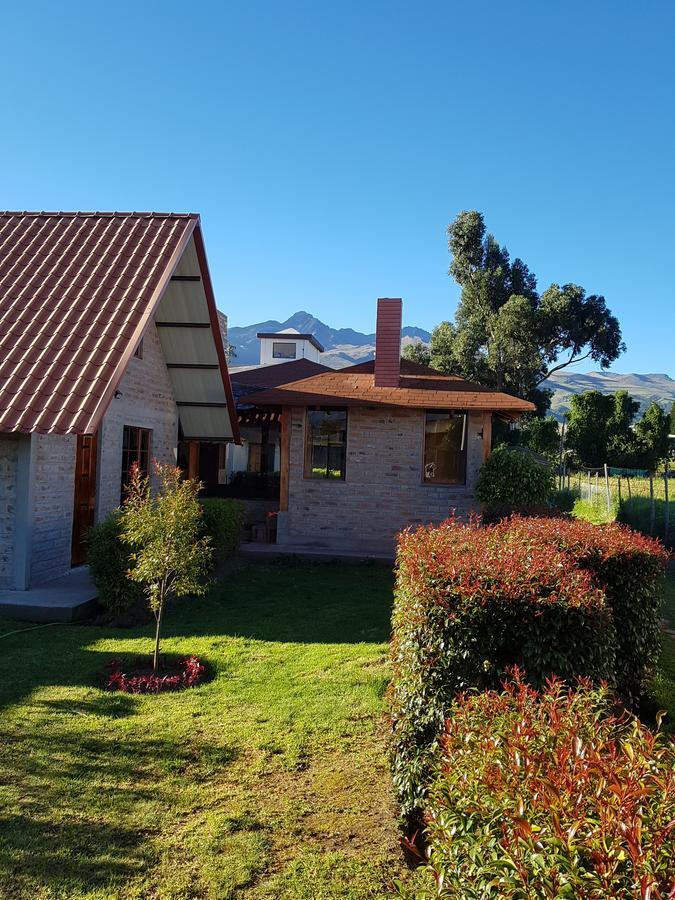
<point>595,510</point>
<point>269,781</point>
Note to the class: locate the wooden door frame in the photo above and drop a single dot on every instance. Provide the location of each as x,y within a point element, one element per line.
<point>77,552</point>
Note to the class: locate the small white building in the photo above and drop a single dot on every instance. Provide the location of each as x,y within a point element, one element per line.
<point>283,346</point>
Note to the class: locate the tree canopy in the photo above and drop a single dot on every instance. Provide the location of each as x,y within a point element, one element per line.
<point>600,430</point>
<point>505,334</point>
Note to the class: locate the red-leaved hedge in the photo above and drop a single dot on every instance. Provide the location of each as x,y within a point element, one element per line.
<point>548,794</point>
<point>473,601</point>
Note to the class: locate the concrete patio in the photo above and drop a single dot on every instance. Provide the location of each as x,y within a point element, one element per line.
<point>68,599</point>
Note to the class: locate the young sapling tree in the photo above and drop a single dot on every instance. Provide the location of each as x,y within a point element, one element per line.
<point>170,556</point>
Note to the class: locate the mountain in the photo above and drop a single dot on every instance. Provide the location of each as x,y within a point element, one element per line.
<point>644,388</point>
<point>344,346</point>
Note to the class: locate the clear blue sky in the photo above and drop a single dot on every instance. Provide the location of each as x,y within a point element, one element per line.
<point>327,145</point>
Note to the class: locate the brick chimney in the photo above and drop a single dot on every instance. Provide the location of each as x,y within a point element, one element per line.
<point>388,342</point>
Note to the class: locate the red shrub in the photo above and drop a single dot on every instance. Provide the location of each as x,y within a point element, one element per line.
<point>192,674</point>
<point>548,794</point>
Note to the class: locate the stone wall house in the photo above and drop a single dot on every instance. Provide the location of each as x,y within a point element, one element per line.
<point>110,352</point>
<point>379,446</point>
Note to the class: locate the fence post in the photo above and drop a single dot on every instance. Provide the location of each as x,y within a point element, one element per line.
<point>609,501</point>
<point>652,506</point>
<point>618,481</point>
<point>589,485</point>
<point>628,483</point>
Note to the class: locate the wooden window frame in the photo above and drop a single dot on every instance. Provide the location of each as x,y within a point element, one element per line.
<point>134,454</point>
<point>307,467</point>
<point>442,481</point>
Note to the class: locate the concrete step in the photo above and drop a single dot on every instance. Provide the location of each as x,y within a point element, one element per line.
<point>68,599</point>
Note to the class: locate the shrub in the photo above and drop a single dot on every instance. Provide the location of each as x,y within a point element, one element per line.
<point>470,602</point>
<point>550,795</point>
<point>222,523</point>
<point>109,561</point>
<point>513,480</point>
<point>151,683</point>
<point>629,568</point>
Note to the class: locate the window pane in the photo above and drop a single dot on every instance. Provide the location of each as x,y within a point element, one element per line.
<point>445,448</point>
<point>326,447</point>
<point>282,350</point>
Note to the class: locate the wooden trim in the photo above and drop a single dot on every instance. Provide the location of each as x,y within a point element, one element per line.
<point>183,324</point>
<point>285,457</point>
<point>215,328</point>
<point>206,405</point>
<point>191,366</point>
<point>487,435</point>
<point>186,277</point>
<point>193,460</point>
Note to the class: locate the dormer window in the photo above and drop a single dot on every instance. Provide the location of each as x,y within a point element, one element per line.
<point>284,350</point>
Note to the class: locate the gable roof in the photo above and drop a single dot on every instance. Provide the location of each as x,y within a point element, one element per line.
<point>420,387</point>
<point>77,291</point>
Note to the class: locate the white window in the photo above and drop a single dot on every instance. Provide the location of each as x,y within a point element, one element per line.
<point>283,350</point>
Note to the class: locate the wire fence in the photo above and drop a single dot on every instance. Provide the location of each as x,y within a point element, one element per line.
<point>644,500</point>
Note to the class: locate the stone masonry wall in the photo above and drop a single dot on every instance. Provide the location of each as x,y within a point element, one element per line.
<point>383,491</point>
<point>9,453</point>
<point>53,497</point>
<point>147,401</point>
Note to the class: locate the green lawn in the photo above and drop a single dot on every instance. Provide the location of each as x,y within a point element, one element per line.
<point>269,781</point>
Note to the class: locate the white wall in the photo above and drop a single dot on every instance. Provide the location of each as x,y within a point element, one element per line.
<point>304,349</point>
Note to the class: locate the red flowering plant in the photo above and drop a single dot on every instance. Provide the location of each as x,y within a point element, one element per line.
<point>550,794</point>
<point>192,673</point>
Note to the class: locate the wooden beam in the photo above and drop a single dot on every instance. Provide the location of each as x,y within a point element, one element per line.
<point>192,366</point>
<point>487,435</point>
<point>200,404</point>
<point>285,457</point>
<point>183,324</point>
<point>193,459</point>
<point>186,277</point>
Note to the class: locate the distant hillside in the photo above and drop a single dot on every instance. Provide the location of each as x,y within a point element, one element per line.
<point>644,388</point>
<point>344,346</point>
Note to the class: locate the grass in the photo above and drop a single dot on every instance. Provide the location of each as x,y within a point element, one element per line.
<point>269,781</point>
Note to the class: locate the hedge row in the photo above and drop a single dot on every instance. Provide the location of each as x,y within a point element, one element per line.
<point>541,594</point>
<point>109,559</point>
<point>548,794</point>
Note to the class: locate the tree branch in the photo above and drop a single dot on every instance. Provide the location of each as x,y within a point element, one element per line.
<point>563,366</point>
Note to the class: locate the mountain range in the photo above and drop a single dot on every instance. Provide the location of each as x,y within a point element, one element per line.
<point>345,346</point>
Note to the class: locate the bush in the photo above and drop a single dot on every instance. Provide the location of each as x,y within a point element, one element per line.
<point>222,523</point>
<point>470,602</point>
<point>550,795</point>
<point>109,561</point>
<point>629,568</point>
<point>512,480</point>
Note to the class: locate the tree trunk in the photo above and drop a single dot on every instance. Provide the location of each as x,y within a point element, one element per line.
<point>155,658</point>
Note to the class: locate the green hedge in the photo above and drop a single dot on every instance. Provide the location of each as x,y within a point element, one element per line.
<point>109,561</point>
<point>470,602</point>
<point>222,522</point>
<point>547,794</point>
<point>512,480</point>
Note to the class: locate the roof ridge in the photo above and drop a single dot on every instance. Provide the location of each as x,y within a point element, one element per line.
<point>7,213</point>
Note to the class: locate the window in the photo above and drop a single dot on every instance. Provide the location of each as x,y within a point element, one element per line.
<point>135,448</point>
<point>138,352</point>
<point>283,350</point>
<point>326,443</point>
<point>445,448</point>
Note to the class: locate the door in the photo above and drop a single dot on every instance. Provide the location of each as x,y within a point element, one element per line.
<point>85,495</point>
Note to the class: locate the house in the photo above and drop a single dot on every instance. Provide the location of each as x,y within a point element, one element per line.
<point>110,353</point>
<point>375,447</point>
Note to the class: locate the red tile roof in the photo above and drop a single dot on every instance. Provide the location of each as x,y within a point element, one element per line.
<point>75,288</point>
<point>419,387</point>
